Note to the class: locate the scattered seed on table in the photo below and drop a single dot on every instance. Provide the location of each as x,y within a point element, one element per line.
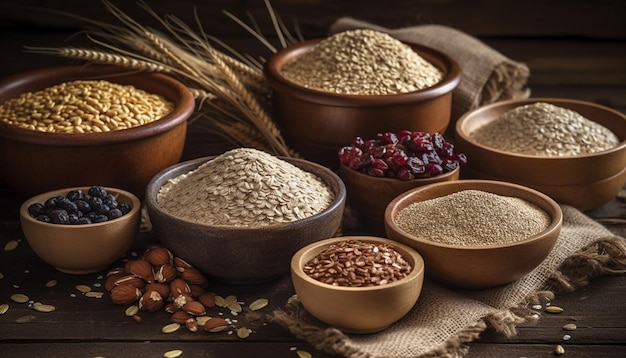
<point>51,283</point>
<point>25,319</point>
<point>303,354</point>
<point>94,294</point>
<point>40,307</point>
<point>131,311</point>
<point>83,288</point>
<point>173,353</point>
<point>243,332</point>
<point>570,327</point>
<point>4,308</point>
<point>554,309</point>
<point>171,328</point>
<point>567,337</point>
<point>258,304</point>
<point>19,298</point>
<point>559,350</point>
<point>11,245</point>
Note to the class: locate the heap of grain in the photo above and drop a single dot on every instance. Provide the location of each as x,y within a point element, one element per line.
<point>473,218</point>
<point>84,107</point>
<point>362,62</point>
<point>543,129</point>
<point>245,187</point>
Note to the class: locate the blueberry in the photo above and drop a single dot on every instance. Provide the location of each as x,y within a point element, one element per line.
<point>114,214</point>
<point>59,216</point>
<point>99,218</point>
<point>51,203</point>
<point>83,206</point>
<point>36,209</point>
<point>45,218</point>
<point>75,195</point>
<point>110,200</point>
<point>84,220</point>
<point>97,191</point>
<point>125,208</point>
<point>67,205</point>
<point>73,219</point>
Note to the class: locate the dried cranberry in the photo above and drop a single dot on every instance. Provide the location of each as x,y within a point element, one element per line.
<point>404,155</point>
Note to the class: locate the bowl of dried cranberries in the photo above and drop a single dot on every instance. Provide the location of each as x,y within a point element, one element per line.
<point>377,170</point>
<point>81,230</point>
<point>372,282</point>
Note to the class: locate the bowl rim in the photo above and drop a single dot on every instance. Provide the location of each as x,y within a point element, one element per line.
<point>472,114</point>
<point>192,164</point>
<point>134,210</point>
<point>451,78</point>
<point>554,226</point>
<point>417,269</point>
<point>179,114</point>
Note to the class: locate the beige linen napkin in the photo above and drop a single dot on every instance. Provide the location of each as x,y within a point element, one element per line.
<point>488,75</point>
<point>444,320</point>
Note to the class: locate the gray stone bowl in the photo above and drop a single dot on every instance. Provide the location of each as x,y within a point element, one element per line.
<point>243,255</point>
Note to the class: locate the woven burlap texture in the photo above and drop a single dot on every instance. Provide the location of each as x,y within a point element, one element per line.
<point>444,319</point>
<point>488,75</point>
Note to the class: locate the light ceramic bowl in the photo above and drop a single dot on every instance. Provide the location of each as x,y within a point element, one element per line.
<point>33,162</point>
<point>243,255</point>
<point>81,249</point>
<point>369,195</point>
<point>477,267</point>
<point>357,309</point>
<point>317,123</point>
<point>583,181</point>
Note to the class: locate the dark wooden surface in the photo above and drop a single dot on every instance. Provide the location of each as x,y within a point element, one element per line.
<point>575,49</point>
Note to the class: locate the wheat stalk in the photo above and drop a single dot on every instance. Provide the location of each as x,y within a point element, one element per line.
<point>231,92</point>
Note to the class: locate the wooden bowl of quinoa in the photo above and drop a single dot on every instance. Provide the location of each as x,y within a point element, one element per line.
<point>90,125</point>
<point>240,216</point>
<point>571,150</point>
<point>322,102</point>
<point>475,234</point>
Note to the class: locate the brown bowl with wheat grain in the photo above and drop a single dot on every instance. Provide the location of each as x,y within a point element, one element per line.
<point>62,151</point>
<point>317,118</point>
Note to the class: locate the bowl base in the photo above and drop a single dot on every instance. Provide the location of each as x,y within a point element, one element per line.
<point>79,271</point>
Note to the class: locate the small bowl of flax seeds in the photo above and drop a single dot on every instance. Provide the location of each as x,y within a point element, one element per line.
<point>358,284</point>
<point>572,150</point>
<point>79,125</point>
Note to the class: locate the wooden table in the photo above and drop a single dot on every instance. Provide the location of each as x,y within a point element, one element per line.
<point>585,63</point>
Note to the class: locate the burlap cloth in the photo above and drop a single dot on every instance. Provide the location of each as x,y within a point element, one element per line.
<point>488,75</point>
<point>444,320</point>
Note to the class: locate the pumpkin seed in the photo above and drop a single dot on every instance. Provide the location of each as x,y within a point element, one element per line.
<point>171,328</point>
<point>19,298</point>
<point>83,288</point>
<point>258,304</point>
<point>243,332</point>
<point>4,308</point>
<point>219,301</point>
<point>40,307</point>
<point>11,245</point>
<point>131,311</point>
<point>1,275</point>
<point>173,353</point>
<point>303,354</point>
<point>567,337</point>
<point>229,300</point>
<point>559,350</point>
<point>554,309</point>
<point>235,307</point>
<point>51,283</point>
<point>570,327</point>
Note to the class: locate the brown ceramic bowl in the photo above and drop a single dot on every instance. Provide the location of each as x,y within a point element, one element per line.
<point>357,309</point>
<point>583,181</point>
<point>243,255</point>
<point>33,162</point>
<point>476,267</point>
<point>369,195</point>
<point>317,124</point>
<point>81,249</point>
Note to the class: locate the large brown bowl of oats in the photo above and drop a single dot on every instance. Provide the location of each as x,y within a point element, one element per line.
<point>571,150</point>
<point>90,125</point>
<point>358,83</point>
<point>240,216</point>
